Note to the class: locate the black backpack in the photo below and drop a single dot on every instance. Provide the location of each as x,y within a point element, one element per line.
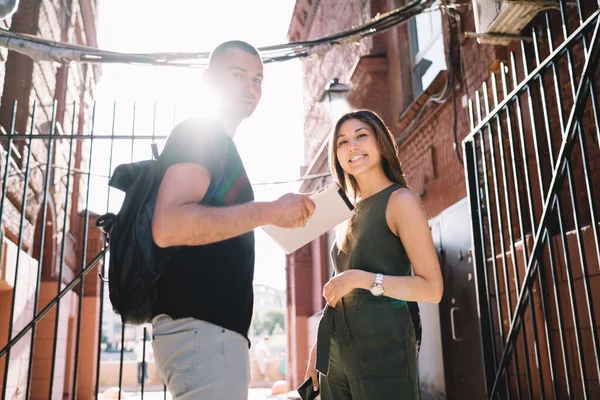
<point>135,262</point>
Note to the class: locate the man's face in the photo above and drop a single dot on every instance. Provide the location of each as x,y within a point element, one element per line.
<point>237,77</point>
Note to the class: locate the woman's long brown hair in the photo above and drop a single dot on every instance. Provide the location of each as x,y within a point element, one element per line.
<point>392,168</point>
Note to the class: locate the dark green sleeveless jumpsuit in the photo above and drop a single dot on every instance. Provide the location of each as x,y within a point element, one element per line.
<point>366,346</point>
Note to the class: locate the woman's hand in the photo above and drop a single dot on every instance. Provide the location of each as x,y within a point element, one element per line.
<point>339,286</point>
<point>311,371</point>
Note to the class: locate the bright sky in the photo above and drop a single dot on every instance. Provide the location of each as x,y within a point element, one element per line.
<point>191,25</point>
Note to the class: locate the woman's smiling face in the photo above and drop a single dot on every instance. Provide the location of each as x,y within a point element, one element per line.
<point>357,150</point>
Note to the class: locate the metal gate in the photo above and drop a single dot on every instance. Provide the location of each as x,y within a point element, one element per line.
<point>532,164</point>
<point>52,295</point>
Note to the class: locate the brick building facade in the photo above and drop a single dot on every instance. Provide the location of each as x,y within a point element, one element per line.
<point>380,71</point>
<point>36,85</point>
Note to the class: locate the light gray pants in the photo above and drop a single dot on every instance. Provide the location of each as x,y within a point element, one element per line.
<point>198,360</point>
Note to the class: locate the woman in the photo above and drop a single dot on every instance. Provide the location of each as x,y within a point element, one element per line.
<point>365,345</point>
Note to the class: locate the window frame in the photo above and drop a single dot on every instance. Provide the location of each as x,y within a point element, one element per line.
<point>419,65</point>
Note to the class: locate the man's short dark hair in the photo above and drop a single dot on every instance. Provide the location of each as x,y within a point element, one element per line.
<point>237,44</point>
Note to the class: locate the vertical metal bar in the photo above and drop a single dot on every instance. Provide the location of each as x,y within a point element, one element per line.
<point>8,155</point>
<point>545,109</point>
<point>592,82</point>
<point>584,272</point>
<point>153,140</point>
<point>565,27</point>
<point>542,87</point>
<point>491,231</point>
<point>533,125</point>
<point>143,363</point>
<point>133,133</point>
<point>86,222</point>
<point>548,337</point>
<point>559,102</point>
<point>574,205</point>
<point>523,240</point>
<point>557,179</point>
<point>121,360</point>
<point>523,232</point>
<point>520,124</point>
<point>581,136</point>
<point>582,142</point>
<point>543,97</point>
<point>513,166</point>
<point>501,232</point>
<point>481,287</point>
<point>19,244</point>
<point>164,385</point>
<point>103,283</point>
<point>557,301</point>
<point>552,164</point>
<point>549,137</point>
<point>154,122</point>
<point>561,325</point>
<point>62,249</point>
<point>509,223</point>
<point>123,325</point>
<point>572,295</point>
<point>556,78</point>
<point>42,238</point>
<point>523,144</point>
<point>592,205</point>
<point>480,263</point>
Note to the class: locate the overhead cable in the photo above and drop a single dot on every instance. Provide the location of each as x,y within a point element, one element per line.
<point>41,49</point>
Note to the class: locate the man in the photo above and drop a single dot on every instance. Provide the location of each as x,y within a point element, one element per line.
<point>261,356</point>
<point>143,355</point>
<point>205,207</point>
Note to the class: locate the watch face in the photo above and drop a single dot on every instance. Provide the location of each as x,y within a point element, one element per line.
<point>377,290</point>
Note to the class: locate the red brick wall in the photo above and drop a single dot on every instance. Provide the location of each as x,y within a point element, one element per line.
<point>4,24</point>
<point>29,81</point>
<point>428,154</point>
<point>330,16</point>
<point>582,199</point>
<point>299,290</point>
<point>382,85</point>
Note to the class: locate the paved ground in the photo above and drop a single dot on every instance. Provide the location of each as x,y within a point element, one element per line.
<point>255,394</point>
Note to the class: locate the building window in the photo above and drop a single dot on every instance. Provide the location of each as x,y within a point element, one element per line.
<point>427,49</point>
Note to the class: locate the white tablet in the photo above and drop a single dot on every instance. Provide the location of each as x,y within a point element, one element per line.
<point>332,208</point>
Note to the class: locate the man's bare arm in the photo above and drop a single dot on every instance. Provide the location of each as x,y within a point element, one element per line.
<point>180,221</point>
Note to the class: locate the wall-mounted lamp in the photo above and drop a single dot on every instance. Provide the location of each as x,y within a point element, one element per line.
<point>336,95</point>
<point>8,8</point>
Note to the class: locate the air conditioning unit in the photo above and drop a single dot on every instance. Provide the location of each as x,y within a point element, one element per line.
<point>497,20</point>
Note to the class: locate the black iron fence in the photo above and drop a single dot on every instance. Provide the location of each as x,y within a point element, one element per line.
<point>55,326</point>
<point>532,164</point>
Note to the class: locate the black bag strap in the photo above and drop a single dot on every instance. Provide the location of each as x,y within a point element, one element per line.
<point>154,151</point>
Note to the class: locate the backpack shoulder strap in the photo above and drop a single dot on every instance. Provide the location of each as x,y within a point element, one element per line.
<point>154,151</point>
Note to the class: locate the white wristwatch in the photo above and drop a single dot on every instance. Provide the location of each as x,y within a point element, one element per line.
<point>377,288</point>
